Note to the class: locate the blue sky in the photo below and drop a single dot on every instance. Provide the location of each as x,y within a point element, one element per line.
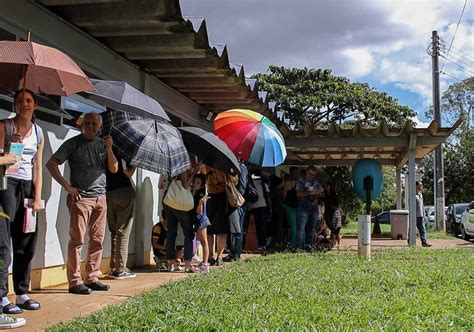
<point>381,42</point>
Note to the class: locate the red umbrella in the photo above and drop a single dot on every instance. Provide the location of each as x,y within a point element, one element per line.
<point>41,69</point>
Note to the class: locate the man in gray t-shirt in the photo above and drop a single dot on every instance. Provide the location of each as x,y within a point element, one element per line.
<point>88,156</point>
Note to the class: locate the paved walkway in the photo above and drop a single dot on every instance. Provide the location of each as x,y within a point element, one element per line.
<point>350,243</point>
<point>59,306</point>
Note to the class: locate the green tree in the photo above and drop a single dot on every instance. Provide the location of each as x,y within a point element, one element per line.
<point>315,96</point>
<point>457,102</point>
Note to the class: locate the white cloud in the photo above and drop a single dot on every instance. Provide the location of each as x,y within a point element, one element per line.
<point>419,123</point>
<point>381,41</point>
<point>361,61</point>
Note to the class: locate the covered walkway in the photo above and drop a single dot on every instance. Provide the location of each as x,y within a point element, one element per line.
<point>338,145</point>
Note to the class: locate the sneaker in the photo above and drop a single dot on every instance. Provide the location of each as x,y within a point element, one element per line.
<point>212,261</point>
<point>7,322</point>
<point>219,262</point>
<point>229,258</point>
<point>80,289</point>
<point>125,274</point>
<point>203,268</point>
<point>190,269</point>
<point>196,259</point>
<point>426,245</point>
<point>174,268</point>
<point>98,286</point>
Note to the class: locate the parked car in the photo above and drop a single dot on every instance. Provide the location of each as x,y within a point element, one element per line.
<point>383,217</point>
<point>453,217</point>
<point>467,222</point>
<point>430,216</point>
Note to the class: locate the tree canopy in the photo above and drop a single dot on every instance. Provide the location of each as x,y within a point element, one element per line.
<point>456,102</point>
<point>315,96</point>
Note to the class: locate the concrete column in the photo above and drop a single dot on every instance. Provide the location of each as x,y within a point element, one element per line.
<point>138,221</point>
<point>398,178</point>
<point>139,218</point>
<point>363,234</point>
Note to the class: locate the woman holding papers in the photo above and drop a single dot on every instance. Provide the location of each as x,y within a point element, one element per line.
<point>21,198</point>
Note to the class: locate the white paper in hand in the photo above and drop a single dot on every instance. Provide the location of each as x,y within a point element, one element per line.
<point>29,223</point>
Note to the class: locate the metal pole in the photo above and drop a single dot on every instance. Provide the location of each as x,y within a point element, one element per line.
<point>439,167</point>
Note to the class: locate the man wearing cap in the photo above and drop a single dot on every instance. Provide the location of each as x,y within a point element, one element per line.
<point>308,190</point>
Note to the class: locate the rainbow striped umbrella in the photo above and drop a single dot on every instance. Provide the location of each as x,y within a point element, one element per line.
<point>251,136</point>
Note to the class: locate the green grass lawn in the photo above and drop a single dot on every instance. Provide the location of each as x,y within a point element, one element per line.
<point>405,289</point>
<point>351,230</point>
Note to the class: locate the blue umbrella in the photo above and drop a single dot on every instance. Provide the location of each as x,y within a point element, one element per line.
<point>123,97</point>
<point>149,144</point>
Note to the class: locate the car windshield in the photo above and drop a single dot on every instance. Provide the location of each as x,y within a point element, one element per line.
<point>460,209</point>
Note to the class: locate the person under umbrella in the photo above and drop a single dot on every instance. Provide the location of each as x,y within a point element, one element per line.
<point>88,156</point>
<point>149,144</point>
<point>40,69</point>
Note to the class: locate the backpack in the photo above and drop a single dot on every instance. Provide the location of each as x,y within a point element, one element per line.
<point>251,193</point>
<point>9,129</point>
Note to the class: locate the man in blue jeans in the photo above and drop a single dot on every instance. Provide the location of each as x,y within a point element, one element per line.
<point>420,224</point>
<point>236,238</point>
<point>308,190</point>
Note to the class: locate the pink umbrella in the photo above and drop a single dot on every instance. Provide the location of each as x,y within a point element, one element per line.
<point>41,69</point>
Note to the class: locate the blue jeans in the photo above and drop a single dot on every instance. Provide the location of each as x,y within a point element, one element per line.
<point>237,239</point>
<point>173,217</point>
<point>306,220</point>
<point>421,229</point>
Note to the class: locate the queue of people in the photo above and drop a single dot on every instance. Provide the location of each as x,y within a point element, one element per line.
<point>100,193</point>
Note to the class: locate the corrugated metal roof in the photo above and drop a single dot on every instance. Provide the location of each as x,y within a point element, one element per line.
<point>175,48</point>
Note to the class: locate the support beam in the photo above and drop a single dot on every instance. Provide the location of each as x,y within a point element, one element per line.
<point>332,162</point>
<point>412,191</point>
<point>398,179</point>
<point>348,142</point>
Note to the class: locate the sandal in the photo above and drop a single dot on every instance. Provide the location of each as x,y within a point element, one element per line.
<point>11,309</point>
<point>30,305</point>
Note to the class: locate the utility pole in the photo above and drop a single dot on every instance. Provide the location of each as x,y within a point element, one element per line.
<point>439,167</point>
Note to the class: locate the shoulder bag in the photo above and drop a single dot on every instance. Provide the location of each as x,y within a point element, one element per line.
<point>179,198</point>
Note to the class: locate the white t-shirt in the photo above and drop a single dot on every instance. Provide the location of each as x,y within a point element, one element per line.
<point>30,142</point>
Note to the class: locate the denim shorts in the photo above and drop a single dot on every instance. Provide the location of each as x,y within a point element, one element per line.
<point>202,221</point>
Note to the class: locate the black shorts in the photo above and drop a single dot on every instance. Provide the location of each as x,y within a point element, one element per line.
<point>216,209</point>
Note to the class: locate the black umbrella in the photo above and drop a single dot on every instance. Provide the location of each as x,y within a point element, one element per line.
<point>210,149</point>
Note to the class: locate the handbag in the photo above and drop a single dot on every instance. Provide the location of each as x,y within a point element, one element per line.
<point>251,193</point>
<point>234,198</point>
<point>178,197</point>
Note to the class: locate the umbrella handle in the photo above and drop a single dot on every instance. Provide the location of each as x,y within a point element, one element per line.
<point>25,68</point>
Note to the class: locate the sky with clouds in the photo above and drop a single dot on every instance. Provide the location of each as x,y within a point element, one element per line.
<point>381,42</point>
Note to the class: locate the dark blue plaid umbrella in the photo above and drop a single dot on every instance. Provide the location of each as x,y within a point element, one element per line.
<point>152,145</point>
<point>123,97</point>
